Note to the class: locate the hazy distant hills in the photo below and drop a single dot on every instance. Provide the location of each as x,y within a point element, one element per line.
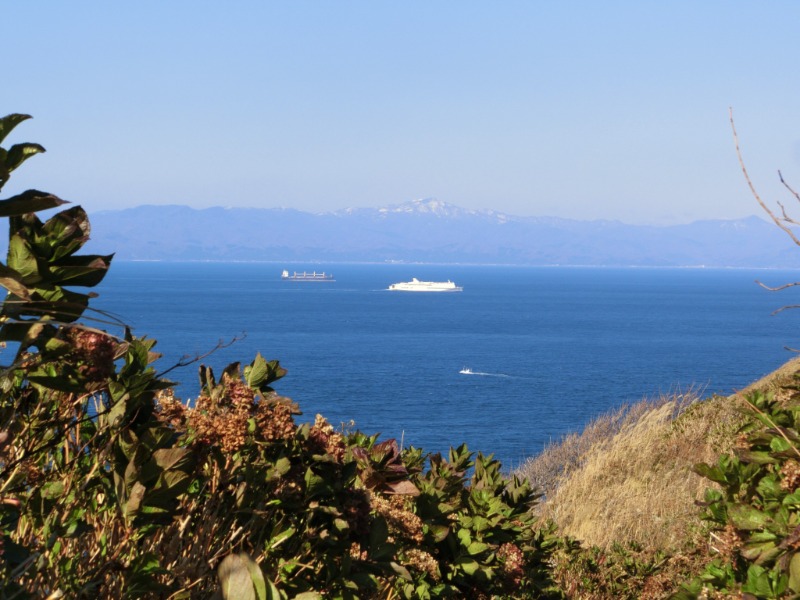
<point>430,231</point>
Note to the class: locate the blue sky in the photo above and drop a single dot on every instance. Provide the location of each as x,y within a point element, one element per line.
<point>588,110</point>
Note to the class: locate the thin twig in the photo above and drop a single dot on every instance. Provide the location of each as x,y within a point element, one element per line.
<point>783,308</point>
<point>772,216</point>
<point>788,187</point>
<point>786,217</point>
<point>185,361</point>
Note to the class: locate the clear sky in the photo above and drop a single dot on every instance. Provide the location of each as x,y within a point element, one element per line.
<point>588,110</point>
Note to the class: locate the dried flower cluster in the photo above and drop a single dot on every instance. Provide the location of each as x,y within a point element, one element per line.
<point>727,542</point>
<point>93,352</point>
<point>513,563</point>
<point>790,475</point>
<point>327,440</point>
<point>395,509</point>
<point>227,421</point>
<point>170,410</point>
<point>424,562</point>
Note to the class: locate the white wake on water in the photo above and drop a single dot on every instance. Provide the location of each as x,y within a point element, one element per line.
<point>468,371</point>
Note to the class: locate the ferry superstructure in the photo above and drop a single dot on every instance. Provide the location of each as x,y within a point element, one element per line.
<point>415,285</point>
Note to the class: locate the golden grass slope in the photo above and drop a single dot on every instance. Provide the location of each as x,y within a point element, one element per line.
<point>627,477</point>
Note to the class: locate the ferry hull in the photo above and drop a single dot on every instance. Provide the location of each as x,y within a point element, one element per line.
<point>415,285</point>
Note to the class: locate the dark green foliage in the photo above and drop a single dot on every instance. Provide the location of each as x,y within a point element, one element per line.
<point>757,511</point>
<point>481,531</point>
<point>42,257</point>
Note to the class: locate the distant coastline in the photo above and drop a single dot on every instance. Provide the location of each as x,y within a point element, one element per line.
<point>453,264</point>
<point>440,234</point>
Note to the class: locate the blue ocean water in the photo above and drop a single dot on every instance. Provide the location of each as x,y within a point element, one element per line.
<point>551,348</point>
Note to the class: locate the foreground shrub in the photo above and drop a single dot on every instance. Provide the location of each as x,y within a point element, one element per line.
<point>111,487</point>
<point>129,503</point>
<point>756,512</point>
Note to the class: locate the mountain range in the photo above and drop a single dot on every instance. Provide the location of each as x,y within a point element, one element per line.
<point>430,230</point>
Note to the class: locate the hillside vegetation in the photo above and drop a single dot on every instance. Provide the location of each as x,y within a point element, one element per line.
<point>111,487</point>
<point>627,488</point>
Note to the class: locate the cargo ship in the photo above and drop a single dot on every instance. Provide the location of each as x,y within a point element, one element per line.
<point>305,276</point>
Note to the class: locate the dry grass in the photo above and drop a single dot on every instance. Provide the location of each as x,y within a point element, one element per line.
<point>627,477</point>
<point>624,488</point>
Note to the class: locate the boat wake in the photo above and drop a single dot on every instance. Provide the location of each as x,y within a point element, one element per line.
<point>468,371</point>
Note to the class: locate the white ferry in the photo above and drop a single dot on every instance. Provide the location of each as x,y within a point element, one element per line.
<point>304,276</point>
<point>415,285</point>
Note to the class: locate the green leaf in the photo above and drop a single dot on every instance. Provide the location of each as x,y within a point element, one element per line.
<point>9,122</point>
<point>341,524</point>
<point>476,548</point>
<point>54,489</point>
<point>746,517</point>
<point>134,501</point>
<point>235,578</point>
<point>379,547</point>
<point>58,304</point>
<point>794,573</point>
<point>758,582</point>
<point>12,281</point>
<point>758,457</point>
<point>465,537</point>
<point>85,271</point>
<point>257,578</point>
<point>316,485</point>
<point>64,233</point>
<point>468,565</point>
<point>778,444</point>
<point>272,592</point>
<point>281,537</point>
<point>282,466</point>
<point>256,373</point>
<point>28,202</point>
<point>401,571</point>
<point>19,153</point>
<point>439,532</point>
<point>22,260</point>
<point>712,472</point>
<point>760,552</point>
<point>169,458</point>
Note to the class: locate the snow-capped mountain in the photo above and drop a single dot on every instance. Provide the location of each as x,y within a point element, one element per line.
<point>430,230</point>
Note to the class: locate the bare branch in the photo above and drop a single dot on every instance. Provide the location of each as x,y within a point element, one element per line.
<point>783,308</point>
<point>779,288</point>
<point>771,214</point>
<point>786,216</point>
<point>187,360</point>
<point>788,187</point>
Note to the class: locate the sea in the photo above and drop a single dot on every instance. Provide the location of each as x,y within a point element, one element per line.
<point>549,348</point>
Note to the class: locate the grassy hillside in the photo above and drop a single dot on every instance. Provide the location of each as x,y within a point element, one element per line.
<point>626,491</point>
